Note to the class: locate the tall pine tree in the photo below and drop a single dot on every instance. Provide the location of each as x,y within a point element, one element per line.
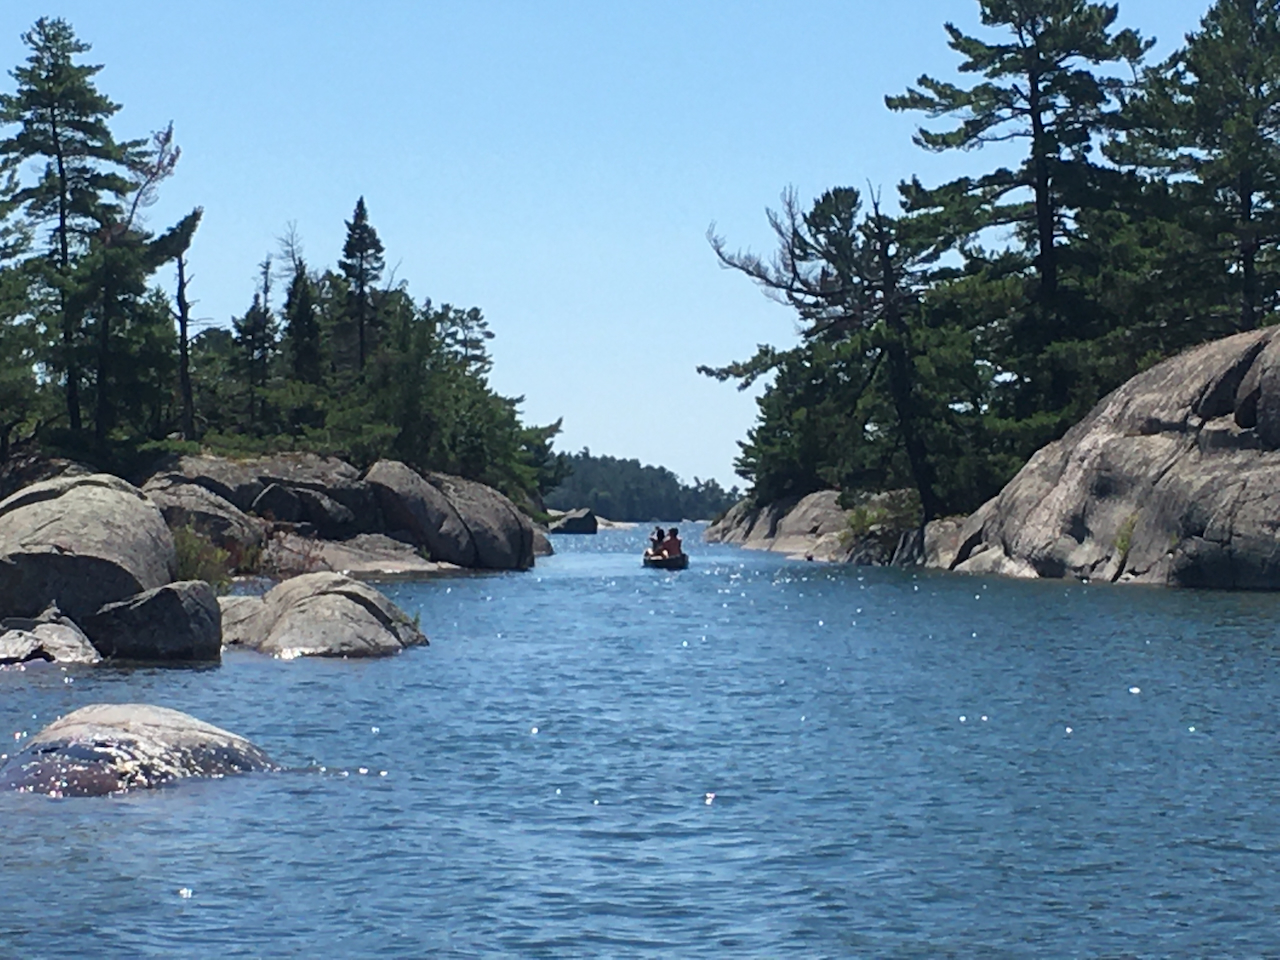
<point>362,264</point>
<point>62,120</point>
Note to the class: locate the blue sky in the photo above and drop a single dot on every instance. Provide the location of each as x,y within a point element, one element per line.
<point>556,164</point>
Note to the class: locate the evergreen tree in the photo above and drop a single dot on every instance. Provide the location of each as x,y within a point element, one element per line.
<point>856,280</point>
<point>256,335</point>
<point>1038,88</point>
<point>62,120</point>
<point>362,264</point>
<point>302,326</point>
<point>1212,111</point>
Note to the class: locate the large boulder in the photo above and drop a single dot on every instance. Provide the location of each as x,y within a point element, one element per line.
<point>232,480</point>
<point>177,622</point>
<point>502,534</point>
<point>50,636</point>
<point>319,615</point>
<point>334,480</point>
<point>80,542</point>
<point>110,748</point>
<point>1172,479</point>
<point>582,520</point>
<point>411,504</point>
<point>23,470</point>
<point>184,503</point>
<point>277,502</point>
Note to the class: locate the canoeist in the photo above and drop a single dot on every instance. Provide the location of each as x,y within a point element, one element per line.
<point>671,545</point>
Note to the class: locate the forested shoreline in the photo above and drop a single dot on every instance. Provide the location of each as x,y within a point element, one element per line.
<point>99,359</point>
<point>950,332</point>
<point>622,489</point>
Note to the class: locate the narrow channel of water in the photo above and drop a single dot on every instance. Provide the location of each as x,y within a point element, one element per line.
<point>752,757</point>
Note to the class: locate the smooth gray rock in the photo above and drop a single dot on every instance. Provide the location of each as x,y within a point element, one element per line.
<point>50,637</point>
<point>816,527</point>
<point>21,471</point>
<point>366,556</point>
<point>582,520</point>
<point>277,502</point>
<point>542,543</point>
<point>112,748</point>
<point>333,478</point>
<point>412,504</point>
<point>80,542</point>
<point>321,615</point>
<point>184,503</point>
<point>1172,479</point>
<point>177,622</point>
<point>240,621</point>
<point>232,480</point>
<point>503,535</point>
<point>934,545</point>
<point>332,520</point>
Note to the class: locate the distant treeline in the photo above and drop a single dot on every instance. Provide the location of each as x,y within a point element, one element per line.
<point>953,329</point>
<point>100,361</point>
<point>625,490</point>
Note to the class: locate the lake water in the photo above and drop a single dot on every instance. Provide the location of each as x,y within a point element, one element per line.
<point>754,757</point>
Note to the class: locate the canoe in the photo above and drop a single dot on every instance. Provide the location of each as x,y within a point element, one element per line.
<point>678,562</point>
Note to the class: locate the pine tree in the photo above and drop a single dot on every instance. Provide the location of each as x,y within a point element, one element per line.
<point>302,327</point>
<point>362,264</point>
<point>856,280</point>
<point>62,119</point>
<point>1039,87</point>
<point>1212,110</point>
<point>256,334</point>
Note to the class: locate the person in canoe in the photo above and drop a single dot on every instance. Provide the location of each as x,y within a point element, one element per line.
<point>655,542</point>
<point>671,546</point>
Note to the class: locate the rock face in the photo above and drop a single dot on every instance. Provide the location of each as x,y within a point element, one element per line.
<point>230,479</point>
<point>575,521</point>
<point>319,615</point>
<point>177,622</point>
<point>371,556</point>
<point>412,504</point>
<point>184,503</point>
<point>80,542</point>
<point>816,527</point>
<point>455,521</point>
<point>503,536</point>
<point>110,748</point>
<point>50,637</point>
<point>1172,479</point>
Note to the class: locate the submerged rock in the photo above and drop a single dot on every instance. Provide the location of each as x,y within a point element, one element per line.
<point>1174,478</point>
<point>80,542</point>
<point>177,622</point>
<point>110,748</point>
<point>319,615</point>
<point>50,636</point>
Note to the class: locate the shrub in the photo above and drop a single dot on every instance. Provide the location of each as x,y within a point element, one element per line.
<point>199,558</point>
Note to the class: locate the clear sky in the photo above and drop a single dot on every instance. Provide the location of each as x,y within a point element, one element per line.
<point>555,163</point>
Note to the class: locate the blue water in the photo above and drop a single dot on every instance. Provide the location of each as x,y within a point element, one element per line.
<point>889,756</point>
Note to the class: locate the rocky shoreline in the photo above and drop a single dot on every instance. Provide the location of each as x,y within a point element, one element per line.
<point>1173,479</point>
<point>89,573</point>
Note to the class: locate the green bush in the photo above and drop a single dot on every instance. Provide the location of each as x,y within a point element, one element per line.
<point>199,558</point>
